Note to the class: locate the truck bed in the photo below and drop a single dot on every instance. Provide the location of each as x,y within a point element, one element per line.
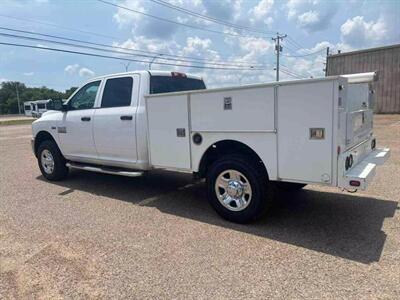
<point>275,120</point>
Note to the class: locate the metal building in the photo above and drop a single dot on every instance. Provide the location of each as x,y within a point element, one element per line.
<point>385,60</point>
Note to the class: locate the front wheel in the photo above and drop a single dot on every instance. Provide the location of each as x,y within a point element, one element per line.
<point>238,188</point>
<point>51,162</point>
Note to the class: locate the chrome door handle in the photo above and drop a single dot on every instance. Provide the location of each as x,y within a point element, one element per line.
<point>85,119</point>
<point>126,118</point>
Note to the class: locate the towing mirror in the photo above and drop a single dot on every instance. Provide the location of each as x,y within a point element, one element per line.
<point>56,104</point>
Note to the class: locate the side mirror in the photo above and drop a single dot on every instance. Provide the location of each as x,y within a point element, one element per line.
<point>64,107</point>
<point>55,104</point>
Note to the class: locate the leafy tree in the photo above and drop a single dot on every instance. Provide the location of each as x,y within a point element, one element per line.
<point>9,101</point>
<point>70,91</point>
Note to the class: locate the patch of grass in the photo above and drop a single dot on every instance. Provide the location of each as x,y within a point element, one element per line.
<point>16,122</point>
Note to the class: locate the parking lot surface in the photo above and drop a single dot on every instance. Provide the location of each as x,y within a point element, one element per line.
<point>102,236</point>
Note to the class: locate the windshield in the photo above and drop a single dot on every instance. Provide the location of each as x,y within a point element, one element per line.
<point>168,84</point>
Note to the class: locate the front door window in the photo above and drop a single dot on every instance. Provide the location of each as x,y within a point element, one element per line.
<point>85,97</point>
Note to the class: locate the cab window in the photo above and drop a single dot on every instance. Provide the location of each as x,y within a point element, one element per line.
<point>117,92</point>
<point>85,97</point>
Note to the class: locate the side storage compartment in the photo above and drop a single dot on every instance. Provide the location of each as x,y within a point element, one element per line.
<point>233,110</point>
<point>305,132</point>
<point>168,128</point>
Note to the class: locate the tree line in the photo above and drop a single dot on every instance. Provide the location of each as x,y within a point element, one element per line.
<point>10,90</point>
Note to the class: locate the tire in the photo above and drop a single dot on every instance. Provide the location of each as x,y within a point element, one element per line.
<point>252,190</point>
<point>290,186</point>
<point>48,154</point>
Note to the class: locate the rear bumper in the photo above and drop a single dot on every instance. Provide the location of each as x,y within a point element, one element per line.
<point>362,174</point>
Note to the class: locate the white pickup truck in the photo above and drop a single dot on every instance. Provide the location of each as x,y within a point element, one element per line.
<point>244,140</point>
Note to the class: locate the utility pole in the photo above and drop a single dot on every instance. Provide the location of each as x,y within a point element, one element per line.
<point>278,50</point>
<point>126,65</point>
<point>154,58</point>
<point>16,90</point>
<point>326,62</point>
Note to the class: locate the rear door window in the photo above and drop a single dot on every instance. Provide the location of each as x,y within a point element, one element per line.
<point>117,92</point>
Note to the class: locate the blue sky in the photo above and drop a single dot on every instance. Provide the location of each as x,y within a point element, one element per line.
<point>312,25</point>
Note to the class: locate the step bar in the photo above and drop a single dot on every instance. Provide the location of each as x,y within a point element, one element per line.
<point>99,169</point>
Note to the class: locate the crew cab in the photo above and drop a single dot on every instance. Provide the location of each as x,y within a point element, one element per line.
<point>247,141</point>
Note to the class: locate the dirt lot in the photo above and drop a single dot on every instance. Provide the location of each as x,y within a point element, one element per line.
<point>102,236</point>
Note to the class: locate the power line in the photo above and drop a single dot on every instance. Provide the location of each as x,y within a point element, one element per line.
<point>121,58</point>
<point>172,21</point>
<point>108,46</point>
<point>304,55</point>
<point>208,18</point>
<point>100,35</point>
<point>291,74</point>
<point>287,69</point>
<point>58,26</point>
<point>294,43</point>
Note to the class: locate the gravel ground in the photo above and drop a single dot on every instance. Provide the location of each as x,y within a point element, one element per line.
<point>102,236</point>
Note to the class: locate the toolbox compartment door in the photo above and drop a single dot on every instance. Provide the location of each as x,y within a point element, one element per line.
<point>168,131</point>
<point>359,113</point>
<point>302,108</point>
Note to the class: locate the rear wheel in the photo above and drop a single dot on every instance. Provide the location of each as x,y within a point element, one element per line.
<point>238,188</point>
<point>51,162</point>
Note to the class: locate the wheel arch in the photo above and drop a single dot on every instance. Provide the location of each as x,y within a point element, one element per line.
<point>226,147</point>
<point>42,136</point>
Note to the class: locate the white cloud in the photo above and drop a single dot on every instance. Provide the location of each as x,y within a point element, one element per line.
<point>28,73</point>
<point>71,69</point>
<point>3,80</point>
<point>359,33</point>
<point>85,72</point>
<point>195,44</point>
<point>222,9</point>
<point>318,47</point>
<point>142,25</point>
<point>308,18</point>
<point>152,45</point>
<point>262,9</point>
<point>75,69</point>
<point>125,17</point>
<point>312,15</point>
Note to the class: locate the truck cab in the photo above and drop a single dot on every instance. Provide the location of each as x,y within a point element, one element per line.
<point>104,122</point>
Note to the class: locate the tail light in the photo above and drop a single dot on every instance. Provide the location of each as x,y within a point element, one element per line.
<point>355,183</point>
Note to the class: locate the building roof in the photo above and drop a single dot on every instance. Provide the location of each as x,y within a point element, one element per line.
<point>365,50</point>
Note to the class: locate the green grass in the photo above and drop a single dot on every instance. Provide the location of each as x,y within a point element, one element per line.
<point>16,122</point>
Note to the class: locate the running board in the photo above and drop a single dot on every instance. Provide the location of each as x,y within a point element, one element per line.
<point>105,170</point>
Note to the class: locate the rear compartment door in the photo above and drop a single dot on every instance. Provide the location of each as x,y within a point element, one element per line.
<point>304,108</point>
<point>359,114</point>
<point>168,127</point>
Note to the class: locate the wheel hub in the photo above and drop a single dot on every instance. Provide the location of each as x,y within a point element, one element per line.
<point>234,189</point>
<point>47,161</point>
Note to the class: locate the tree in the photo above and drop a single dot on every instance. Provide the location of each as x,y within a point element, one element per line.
<point>70,91</point>
<point>9,101</point>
